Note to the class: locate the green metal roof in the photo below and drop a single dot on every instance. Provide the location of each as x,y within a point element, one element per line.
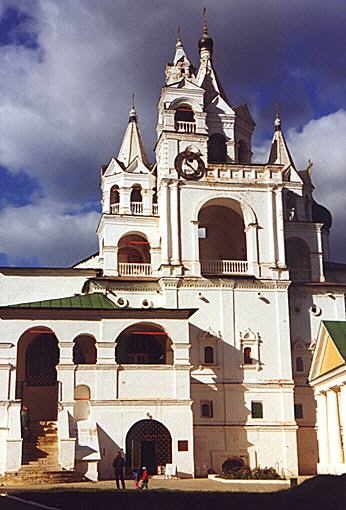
<point>337,330</point>
<point>96,301</point>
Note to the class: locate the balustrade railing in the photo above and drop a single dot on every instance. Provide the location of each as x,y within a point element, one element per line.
<point>136,207</point>
<point>114,208</point>
<point>224,267</point>
<point>185,127</point>
<point>155,209</point>
<point>134,269</point>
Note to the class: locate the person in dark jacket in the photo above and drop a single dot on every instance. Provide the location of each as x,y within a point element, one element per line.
<point>25,421</point>
<point>119,465</point>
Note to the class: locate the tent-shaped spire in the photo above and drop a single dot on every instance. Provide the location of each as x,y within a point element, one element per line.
<point>181,66</point>
<point>279,152</point>
<point>207,77</point>
<point>132,146</point>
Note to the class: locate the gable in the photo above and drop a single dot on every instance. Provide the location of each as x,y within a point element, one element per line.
<point>330,351</point>
<point>331,358</point>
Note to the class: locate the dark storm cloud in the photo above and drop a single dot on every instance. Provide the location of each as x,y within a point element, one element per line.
<point>64,101</point>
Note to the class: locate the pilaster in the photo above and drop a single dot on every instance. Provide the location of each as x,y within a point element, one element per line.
<point>334,436</point>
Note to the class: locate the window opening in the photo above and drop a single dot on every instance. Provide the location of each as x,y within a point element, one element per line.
<point>256,409</point>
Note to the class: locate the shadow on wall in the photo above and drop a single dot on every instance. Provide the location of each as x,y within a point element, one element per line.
<point>217,402</point>
<point>108,450</point>
<point>102,449</point>
<point>301,310</point>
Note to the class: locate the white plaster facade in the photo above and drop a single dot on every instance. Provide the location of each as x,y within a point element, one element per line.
<point>232,261</point>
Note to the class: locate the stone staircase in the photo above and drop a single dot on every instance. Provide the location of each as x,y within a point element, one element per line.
<point>40,463</point>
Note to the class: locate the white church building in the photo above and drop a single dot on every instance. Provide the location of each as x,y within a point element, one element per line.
<point>187,338</point>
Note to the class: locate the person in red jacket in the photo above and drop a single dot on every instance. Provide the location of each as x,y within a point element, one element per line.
<point>144,478</point>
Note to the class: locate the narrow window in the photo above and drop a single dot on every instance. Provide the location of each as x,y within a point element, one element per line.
<point>298,411</point>
<point>206,409</point>
<point>247,356</point>
<point>299,364</point>
<point>256,409</point>
<point>208,355</point>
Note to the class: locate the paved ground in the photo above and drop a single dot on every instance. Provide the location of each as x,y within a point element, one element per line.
<point>197,484</point>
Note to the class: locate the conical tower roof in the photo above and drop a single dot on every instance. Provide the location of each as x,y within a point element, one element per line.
<point>279,152</point>
<point>132,145</point>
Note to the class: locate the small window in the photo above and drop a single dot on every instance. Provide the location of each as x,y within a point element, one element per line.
<point>256,410</point>
<point>298,411</point>
<point>299,364</point>
<point>206,409</point>
<point>247,356</point>
<point>208,355</point>
<point>183,446</point>
<point>202,233</point>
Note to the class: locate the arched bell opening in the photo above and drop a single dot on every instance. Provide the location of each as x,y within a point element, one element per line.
<point>36,375</point>
<point>222,238</point>
<point>217,149</point>
<point>134,257</point>
<point>184,119</point>
<point>243,152</point>
<point>114,199</point>
<point>149,444</point>
<point>144,344</point>
<point>298,259</point>
<point>136,199</point>
<point>84,350</point>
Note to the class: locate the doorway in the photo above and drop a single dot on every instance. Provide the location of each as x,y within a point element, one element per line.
<point>149,444</point>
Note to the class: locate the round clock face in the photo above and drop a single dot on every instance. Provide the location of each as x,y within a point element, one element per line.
<point>189,165</point>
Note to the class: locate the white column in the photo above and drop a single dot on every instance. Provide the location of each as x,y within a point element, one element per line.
<point>322,428</point>
<point>175,223</point>
<point>280,237</point>
<point>164,222</point>
<point>335,450</point>
<point>271,256</point>
<point>124,200</point>
<point>251,249</point>
<point>196,264</point>
<point>342,409</point>
<point>147,202</point>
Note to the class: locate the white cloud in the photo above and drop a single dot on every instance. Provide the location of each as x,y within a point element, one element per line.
<point>45,232</point>
<point>63,109</point>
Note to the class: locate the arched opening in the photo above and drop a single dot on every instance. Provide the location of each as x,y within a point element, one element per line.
<point>208,355</point>
<point>298,259</point>
<point>290,206</point>
<point>184,119</point>
<point>299,364</point>
<point>217,150</point>
<point>243,152</point>
<point>134,256</point>
<point>36,375</point>
<point>144,344</point>
<point>84,350</point>
<point>81,407</point>
<point>136,200</point>
<point>148,443</point>
<point>222,239</point>
<point>155,204</point>
<point>247,356</point>
<point>114,199</point>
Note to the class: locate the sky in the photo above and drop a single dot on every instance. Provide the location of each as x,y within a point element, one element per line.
<point>68,69</point>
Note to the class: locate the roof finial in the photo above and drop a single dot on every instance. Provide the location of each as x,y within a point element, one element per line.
<point>133,113</point>
<point>205,42</point>
<point>205,22</point>
<point>277,121</point>
<point>179,42</point>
